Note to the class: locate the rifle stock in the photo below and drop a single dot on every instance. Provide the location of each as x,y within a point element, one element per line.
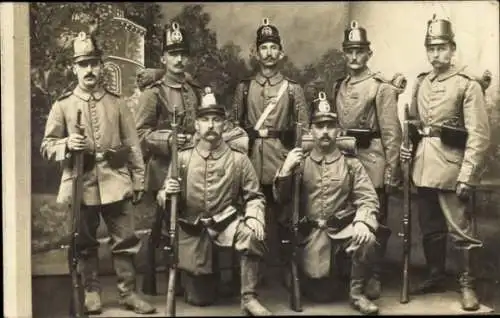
<point>295,296</point>
<point>77,300</point>
<point>406,221</point>
<point>172,248</point>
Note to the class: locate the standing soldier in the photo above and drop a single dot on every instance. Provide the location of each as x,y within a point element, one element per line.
<point>214,180</point>
<point>113,177</point>
<point>338,205</point>
<point>367,109</point>
<point>449,157</point>
<point>156,103</point>
<point>267,107</point>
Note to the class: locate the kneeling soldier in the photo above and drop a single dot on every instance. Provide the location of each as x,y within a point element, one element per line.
<point>214,179</point>
<point>338,204</point>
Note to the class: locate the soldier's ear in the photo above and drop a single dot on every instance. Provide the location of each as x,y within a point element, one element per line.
<point>281,55</point>
<point>73,68</point>
<point>254,51</point>
<point>163,60</point>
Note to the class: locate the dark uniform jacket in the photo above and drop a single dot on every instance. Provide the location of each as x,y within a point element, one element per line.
<point>154,116</point>
<point>268,154</point>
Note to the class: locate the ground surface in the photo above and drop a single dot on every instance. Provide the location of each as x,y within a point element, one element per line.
<point>51,295</point>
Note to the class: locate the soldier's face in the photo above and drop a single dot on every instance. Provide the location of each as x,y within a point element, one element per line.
<point>269,54</point>
<point>175,61</point>
<point>357,57</point>
<point>210,127</point>
<point>324,133</point>
<point>88,73</point>
<point>439,55</point>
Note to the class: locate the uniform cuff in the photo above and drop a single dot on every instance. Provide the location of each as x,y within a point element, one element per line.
<point>465,174</point>
<point>255,214</point>
<point>367,217</point>
<point>61,150</point>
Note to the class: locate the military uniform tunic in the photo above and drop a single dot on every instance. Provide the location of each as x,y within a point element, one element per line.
<point>438,167</point>
<point>440,98</point>
<point>370,102</point>
<point>107,123</point>
<point>213,180</point>
<point>332,186</point>
<point>153,118</point>
<point>269,153</point>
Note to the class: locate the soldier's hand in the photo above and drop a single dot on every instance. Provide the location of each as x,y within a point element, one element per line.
<point>161,198</point>
<point>137,197</point>
<point>464,191</point>
<point>256,227</point>
<point>294,158</point>
<point>76,142</point>
<point>362,234</point>
<point>405,153</point>
<point>172,186</point>
<point>181,139</point>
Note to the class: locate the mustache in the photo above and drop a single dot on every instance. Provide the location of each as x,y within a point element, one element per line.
<point>325,138</point>
<point>211,132</point>
<point>89,76</point>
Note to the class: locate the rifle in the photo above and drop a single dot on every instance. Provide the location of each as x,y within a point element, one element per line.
<point>172,247</point>
<point>77,300</point>
<point>295,296</point>
<point>406,222</point>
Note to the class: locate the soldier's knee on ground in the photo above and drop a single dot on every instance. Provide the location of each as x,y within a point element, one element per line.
<point>246,241</point>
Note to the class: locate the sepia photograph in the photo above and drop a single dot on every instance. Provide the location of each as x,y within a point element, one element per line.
<point>165,159</point>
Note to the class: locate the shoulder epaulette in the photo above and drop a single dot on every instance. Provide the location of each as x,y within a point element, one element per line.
<point>246,80</point>
<point>349,154</point>
<point>112,93</point>
<point>186,148</point>
<point>290,80</point>
<point>64,95</point>
<point>234,148</point>
<point>192,81</point>
<point>423,74</point>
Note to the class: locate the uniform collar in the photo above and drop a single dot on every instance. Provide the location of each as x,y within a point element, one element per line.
<point>80,93</point>
<point>275,79</point>
<point>174,80</point>
<point>453,70</point>
<point>318,157</point>
<point>362,77</point>
<point>216,153</point>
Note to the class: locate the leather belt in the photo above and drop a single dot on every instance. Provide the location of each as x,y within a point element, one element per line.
<point>430,131</point>
<point>196,228</point>
<point>99,156</point>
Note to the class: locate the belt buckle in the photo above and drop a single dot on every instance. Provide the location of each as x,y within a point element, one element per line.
<point>263,133</point>
<point>322,224</point>
<point>207,222</point>
<point>426,130</point>
<point>99,156</point>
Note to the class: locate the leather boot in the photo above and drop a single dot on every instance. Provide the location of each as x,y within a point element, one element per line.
<point>468,298</point>
<point>358,299</point>
<point>126,274</point>
<point>435,255</point>
<point>89,264</point>
<point>250,306</point>
<point>373,287</point>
